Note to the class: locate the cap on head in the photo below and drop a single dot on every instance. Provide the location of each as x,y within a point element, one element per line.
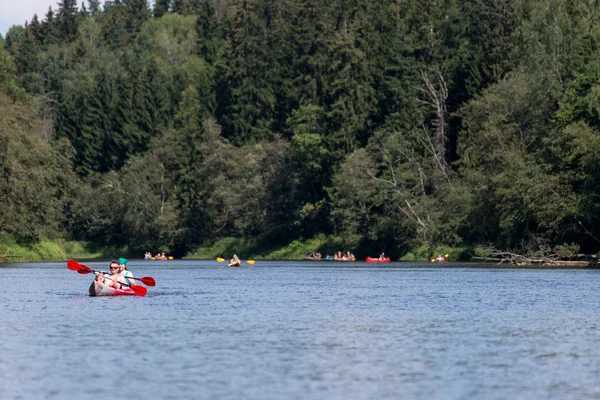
<point>123,261</point>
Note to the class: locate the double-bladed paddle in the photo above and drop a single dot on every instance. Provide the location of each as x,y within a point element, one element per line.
<point>219,259</point>
<point>139,290</point>
<point>84,269</point>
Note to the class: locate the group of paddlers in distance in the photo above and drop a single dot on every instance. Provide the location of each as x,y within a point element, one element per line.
<point>158,256</point>
<point>339,256</point>
<point>440,258</point>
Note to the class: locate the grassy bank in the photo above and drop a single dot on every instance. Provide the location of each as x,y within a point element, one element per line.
<point>60,250</point>
<point>54,250</point>
<point>321,243</point>
<point>250,249</point>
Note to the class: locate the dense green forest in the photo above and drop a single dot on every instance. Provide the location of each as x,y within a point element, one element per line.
<point>392,124</point>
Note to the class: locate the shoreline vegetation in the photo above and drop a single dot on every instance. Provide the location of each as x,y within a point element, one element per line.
<point>417,129</point>
<point>60,250</point>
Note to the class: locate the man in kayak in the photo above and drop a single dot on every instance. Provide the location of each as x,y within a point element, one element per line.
<point>111,279</point>
<point>124,274</point>
<point>234,262</point>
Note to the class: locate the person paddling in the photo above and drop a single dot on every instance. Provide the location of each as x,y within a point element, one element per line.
<point>234,262</point>
<point>111,279</point>
<point>124,274</point>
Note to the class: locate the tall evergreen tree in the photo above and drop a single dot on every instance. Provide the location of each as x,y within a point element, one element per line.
<point>84,12</point>
<point>67,17</point>
<point>137,14</point>
<point>50,29</point>
<point>94,7</point>
<point>26,58</point>
<point>115,26</point>
<point>311,36</point>
<point>183,7</point>
<point>350,91</point>
<point>248,71</point>
<point>207,29</point>
<point>161,7</point>
<point>35,28</point>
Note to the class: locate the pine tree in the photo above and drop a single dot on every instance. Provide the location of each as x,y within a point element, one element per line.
<point>50,31</point>
<point>311,36</point>
<point>94,6</point>
<point>36,29</point>
<point>84,12</point>
<point>207,29</point>
<point>115,26</point>
<point>351,95</point>
<point>26,59</point>
<point>137,14</point>
<point>248,72</point>
<point>67,19</point>
<point>183,7</point>
<point>161,7</point>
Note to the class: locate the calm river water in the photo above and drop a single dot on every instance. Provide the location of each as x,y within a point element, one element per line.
<point>301,330</point>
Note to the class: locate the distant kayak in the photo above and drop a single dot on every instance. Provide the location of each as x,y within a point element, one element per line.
<point>234,265</point>
<point>313,256</point>
<point>369,259</point>
<point>100,289</point>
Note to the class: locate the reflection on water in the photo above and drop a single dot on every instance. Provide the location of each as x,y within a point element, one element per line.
<point>286,330</point>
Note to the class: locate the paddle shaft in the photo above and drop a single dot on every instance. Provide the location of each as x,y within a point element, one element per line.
<point>84,269</point>
<point>219,259</point>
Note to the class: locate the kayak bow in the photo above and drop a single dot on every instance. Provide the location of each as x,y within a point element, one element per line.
<point>100,289</point>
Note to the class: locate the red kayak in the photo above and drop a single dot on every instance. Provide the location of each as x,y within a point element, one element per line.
<point>100,289</point>
<point>369,259</point>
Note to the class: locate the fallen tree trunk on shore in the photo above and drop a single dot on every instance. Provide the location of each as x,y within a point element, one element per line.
<point>502,257</point>
<point>11,256</point>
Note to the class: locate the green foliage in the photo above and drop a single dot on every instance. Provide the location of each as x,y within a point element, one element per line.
<point>567,250</point>
<point>67,20</point>
<point>8,76</point>
<point>427,253</point>
<point>395,125</point>
<point>207,30</point>
<point>225,248</point>
<point>248,67</point>
<point>161,7</point>
<point>36,180</point>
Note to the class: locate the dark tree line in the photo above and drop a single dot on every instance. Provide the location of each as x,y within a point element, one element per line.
<point>392,123</point>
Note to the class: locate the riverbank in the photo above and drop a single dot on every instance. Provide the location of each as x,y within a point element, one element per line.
<point>322,244</point>
<point>60,250</point>
<point>53,250</point>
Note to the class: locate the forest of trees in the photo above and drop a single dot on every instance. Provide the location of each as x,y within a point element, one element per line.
<point>391,123</point>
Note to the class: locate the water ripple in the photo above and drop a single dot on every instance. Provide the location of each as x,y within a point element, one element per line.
<point>302,331</point>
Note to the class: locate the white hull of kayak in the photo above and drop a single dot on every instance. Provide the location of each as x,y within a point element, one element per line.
<point>100,289</point>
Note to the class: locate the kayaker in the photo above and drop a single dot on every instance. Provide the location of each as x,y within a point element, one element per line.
<point>124,274</point>
<point>382,256</point>
<point>235,261</point>
<point>440,258</point>
<point>112,278</point>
